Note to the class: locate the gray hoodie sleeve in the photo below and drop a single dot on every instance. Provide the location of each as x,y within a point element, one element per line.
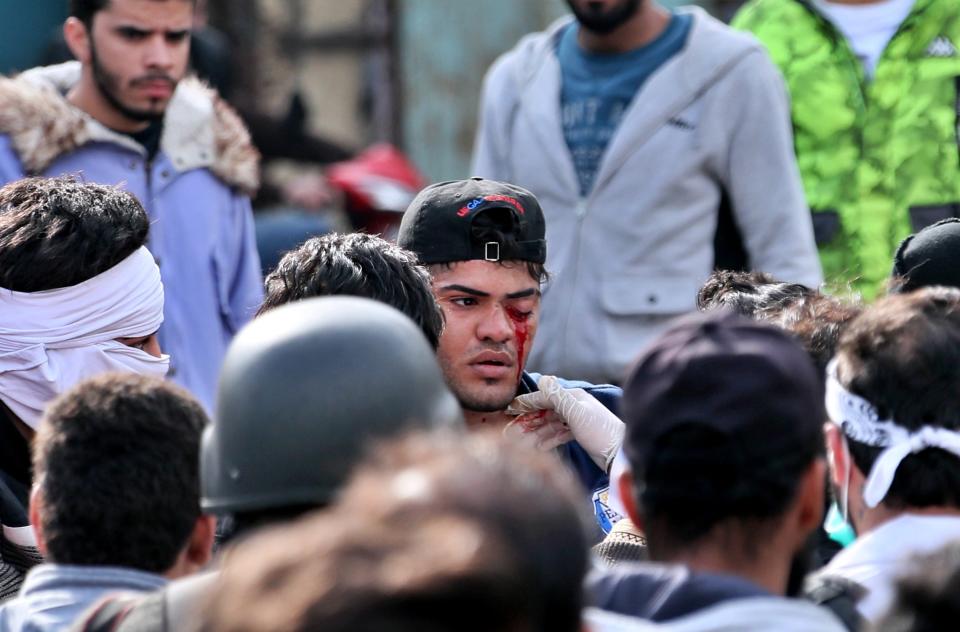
<point>498,104</point>
<point>760,172</point>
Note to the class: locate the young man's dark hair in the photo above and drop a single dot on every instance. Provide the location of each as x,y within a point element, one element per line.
<point>903,356</point>
<point>356,264</point>
<point>84,10</point>
<point>748,293</point>
<point>117,467</point>
<point>57,232</point>
<point>816,319</point>
<point>459,533</point>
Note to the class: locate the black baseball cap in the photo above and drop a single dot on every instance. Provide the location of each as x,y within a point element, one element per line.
<point>746,381</point>
<point>440,225</point>
<point>929,257</point>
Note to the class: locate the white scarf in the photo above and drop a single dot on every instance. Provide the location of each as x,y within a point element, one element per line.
<point>53,339</point>
<point>859,420</point>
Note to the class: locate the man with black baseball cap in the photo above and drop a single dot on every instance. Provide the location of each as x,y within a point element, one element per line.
<point>726,477</point>
<point>483,243</point>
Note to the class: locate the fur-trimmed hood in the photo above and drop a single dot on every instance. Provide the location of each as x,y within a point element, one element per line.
<point>200,130</point>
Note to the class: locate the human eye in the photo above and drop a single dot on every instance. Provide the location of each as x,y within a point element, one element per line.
<point>176,37</point>
<point>464,301</point>
<point>132,34</point>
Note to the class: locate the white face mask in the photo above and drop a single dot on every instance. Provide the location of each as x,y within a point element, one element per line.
<point>51,340</point>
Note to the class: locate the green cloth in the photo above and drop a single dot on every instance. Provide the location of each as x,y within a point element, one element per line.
<point>873,153</point>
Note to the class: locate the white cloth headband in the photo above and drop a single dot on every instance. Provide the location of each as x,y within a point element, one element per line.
<point>859,420</point>
<point>51,340</point>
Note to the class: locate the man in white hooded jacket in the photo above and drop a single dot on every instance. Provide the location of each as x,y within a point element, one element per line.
<point>648,137</point>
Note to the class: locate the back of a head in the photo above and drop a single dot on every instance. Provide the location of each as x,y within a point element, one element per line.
<point>723,418</point>
<point>116,460</point>
<point>817,321</point>
<point>458,533</point>
<point>58,232</point>
<point>902,355</point>
<point>928,258</point>
<point>748,293</point>
<point>356,264</point>
<point>476,219</point>
<point>303,389</point>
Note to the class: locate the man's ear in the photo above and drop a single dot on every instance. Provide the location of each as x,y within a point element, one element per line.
<point>200,546</point>
<point>34,514</point>
<point>810,498</point>
<point>625,486</point>
<point>198,550</point>
<point>77,37</point>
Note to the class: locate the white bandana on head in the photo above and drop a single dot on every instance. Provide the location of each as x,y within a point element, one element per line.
<point>53,339</point>
<point>859,420</point>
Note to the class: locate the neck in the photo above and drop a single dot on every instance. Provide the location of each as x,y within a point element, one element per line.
<point>477,420</point>
<point>645,26</point>
<point>873,518</point>
<point>769,569</point>
<point>86,96</point>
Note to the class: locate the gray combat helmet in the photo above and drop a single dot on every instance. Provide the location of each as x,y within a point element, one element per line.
<point>303,390</point>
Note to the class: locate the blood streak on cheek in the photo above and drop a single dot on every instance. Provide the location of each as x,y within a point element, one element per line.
<point>521,331</point>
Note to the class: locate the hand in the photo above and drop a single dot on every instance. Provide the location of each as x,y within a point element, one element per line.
<point>554,415</point>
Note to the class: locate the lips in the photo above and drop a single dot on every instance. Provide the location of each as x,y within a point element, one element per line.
<point>156,87</point>
<point>492,364</point>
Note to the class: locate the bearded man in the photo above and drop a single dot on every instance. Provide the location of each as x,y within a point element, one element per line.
<point>659,145</point>
<point>124,114</point>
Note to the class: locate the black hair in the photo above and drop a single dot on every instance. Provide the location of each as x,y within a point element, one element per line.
<point>903,356</point>
<point>697,479</point>
<point>84,10</point>
<point>58,232</point>
<point>747,293</point>
<point>117,461</point>
<point>817,321</point>
<point>356,264</point>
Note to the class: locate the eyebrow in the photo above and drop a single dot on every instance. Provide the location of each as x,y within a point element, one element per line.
<point>474,292</point>
<point>464,289</point>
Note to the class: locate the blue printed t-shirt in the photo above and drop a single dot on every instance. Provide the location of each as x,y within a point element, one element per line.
<point>597,89</point>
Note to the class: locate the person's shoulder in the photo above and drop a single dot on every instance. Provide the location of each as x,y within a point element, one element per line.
<point>226,147</point>
<point>527,55</point>
<point>764,15</point>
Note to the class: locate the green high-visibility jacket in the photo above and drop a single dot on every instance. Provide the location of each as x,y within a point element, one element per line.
<point>879,158</point>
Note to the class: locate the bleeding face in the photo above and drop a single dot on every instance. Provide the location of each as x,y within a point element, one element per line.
<point>136,52</point>
<point>603,16</point>
<point>491,312</point>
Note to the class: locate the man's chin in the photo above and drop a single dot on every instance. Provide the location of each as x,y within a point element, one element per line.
<point>481,403</point>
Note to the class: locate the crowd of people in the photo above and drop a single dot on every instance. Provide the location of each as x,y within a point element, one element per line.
<point>377,435</point>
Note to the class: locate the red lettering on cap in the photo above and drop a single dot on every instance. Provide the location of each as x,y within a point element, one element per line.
<point>509,200</point>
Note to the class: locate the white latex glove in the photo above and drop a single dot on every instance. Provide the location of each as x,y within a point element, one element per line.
<point>555,415</point>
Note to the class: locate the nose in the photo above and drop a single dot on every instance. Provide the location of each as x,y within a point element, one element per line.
<point>159,53</point>
<point>496,326</point>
